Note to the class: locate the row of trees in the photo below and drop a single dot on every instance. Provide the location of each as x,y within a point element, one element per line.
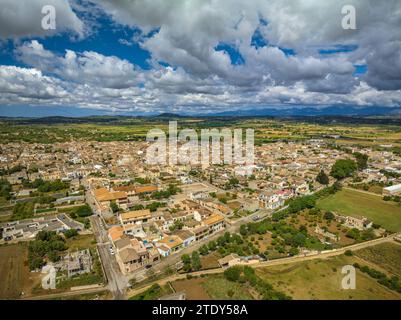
<point>151,206</point>
<point>392,283</point>
<point>164,194</point>
<point>46,186</point>
<point>191,262</point>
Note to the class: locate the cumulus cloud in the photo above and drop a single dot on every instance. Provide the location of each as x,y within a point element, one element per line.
<point>190,30</point>
<point>192,44</point>
<point>23,83</point>
<point>87,67</point>
<point>24,18</point>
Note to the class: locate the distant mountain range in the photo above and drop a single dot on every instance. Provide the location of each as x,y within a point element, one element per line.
<point>296,111</point>
<point>310,111</point>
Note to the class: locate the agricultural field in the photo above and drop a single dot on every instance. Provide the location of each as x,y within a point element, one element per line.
<point>214,287</point>
<point>132,129</point>
<point>385,255</point>
<point>15,277</point>
<point>210,260</point>
<point>219,288</point>
<point>193,288</point>
<point>321,280</point>
<point>356,203</point>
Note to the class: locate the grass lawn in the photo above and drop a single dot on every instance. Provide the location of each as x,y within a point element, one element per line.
<point>219,288</point>
<point>321,280</point>
<point>354,203</point>
<point>385,255</point>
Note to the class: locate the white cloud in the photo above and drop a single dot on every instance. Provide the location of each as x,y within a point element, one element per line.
<point>201,78</point>
<point>87,67</point>
<point>23,18</point>
<point>23,83</point>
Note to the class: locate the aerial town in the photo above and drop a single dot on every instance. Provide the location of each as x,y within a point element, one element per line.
<point>228,151</point>
<point>146,218</point>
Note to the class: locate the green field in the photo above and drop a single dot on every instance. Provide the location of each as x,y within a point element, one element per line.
<point>321,280</point>
<point>355,203</point>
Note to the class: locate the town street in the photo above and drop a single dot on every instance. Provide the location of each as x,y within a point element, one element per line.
<point>116,281</point>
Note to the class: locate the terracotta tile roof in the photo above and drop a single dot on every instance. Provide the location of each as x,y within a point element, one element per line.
<point>184,234</point>
<point>123,243</point>
<point>128,254</point>
<point>137,214</point>
<point>116,233</point>
<point>171,241</point>
<point>145,189</point>
<point>103,194</point>
<point>213,219</point>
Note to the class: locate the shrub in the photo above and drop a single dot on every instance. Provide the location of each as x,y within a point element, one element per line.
<point>349,253</point>
<point>233,273</point>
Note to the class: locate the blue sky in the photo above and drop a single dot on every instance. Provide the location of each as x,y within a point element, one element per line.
<point>141,57</point>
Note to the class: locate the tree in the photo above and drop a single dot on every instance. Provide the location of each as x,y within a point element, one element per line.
<point>5,188</point>
<point>348,253</point>
<point>53,256</point>
<point>343,168</point>
<point>204,250</point>
<point>212,245</point>
<point>186,259</point>
<point>301,203</point>
<point>329,215</point>
<point>299,239</point>
<point>293,251</point>
<point>361,160</point>
<point>322,178</point>
<point>114,207</point>
<point>353,234</point>
<point>196,262</point>
<point>70,233</point>
<point>243,230</point>
<point>84,211</point>
<point>233,273</point>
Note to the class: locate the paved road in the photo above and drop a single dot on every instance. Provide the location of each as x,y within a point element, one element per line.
<point>289,260</point>
<point>117,283</point>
